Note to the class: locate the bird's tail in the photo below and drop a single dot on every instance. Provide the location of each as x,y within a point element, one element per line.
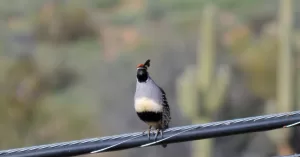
<point>165,127</point>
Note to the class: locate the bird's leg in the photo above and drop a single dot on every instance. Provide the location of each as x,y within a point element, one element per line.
<point>157,132</point>
<point>148,132</point>
<point>162,132</point>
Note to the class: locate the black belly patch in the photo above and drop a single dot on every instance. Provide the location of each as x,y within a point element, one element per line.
<point>150,116</point>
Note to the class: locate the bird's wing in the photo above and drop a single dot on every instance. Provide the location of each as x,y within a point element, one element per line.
<point>166,109</point>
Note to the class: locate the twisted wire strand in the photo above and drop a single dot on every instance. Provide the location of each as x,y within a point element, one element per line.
<point>294,155</point>
<point>228,122</point>
<point>127,138</point>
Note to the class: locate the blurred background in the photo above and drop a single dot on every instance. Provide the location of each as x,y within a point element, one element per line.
<point>67,70</point>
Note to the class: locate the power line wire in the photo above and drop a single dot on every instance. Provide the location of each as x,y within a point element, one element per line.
<point>172,135</point>
<point>294,155</point>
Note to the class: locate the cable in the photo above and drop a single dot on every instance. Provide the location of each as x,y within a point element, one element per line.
<point>294,155</point>
<point>172,135</point>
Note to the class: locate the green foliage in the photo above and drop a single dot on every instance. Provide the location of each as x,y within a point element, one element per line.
<point>178,5</point>
<point>63,23</point>
<point>33,114</point>
<point>106,4</point>
<point>125,18</point>
<point>259,63</point>
<point>236,4</point>
<point>155,10</point>
<point>193,5</point>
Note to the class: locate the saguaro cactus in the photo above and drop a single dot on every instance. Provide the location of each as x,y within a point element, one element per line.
<point>198,82</point>
<point>285,70</point>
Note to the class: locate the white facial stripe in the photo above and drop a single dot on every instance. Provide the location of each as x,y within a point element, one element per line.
<point>145,104</point>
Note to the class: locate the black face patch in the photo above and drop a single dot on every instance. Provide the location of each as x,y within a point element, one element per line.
<point>142,75</point>
<point>150,116</point>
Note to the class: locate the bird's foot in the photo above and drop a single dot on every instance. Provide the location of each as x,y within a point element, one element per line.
<point>157,132</point>
<point>149,129</point>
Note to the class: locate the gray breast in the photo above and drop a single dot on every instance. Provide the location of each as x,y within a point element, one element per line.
<point>148,89</point>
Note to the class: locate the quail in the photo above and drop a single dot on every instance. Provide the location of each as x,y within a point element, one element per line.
<point>150,102</point>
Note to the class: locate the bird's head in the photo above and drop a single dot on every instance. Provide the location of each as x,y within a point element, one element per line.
<point>142,73</point>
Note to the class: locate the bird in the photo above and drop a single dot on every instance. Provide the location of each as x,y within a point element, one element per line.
<point>150,102</point>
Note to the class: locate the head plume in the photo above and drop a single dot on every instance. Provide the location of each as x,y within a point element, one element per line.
<point>146,65</point>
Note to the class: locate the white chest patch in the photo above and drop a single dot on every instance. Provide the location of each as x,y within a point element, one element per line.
<point>145,104</point>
